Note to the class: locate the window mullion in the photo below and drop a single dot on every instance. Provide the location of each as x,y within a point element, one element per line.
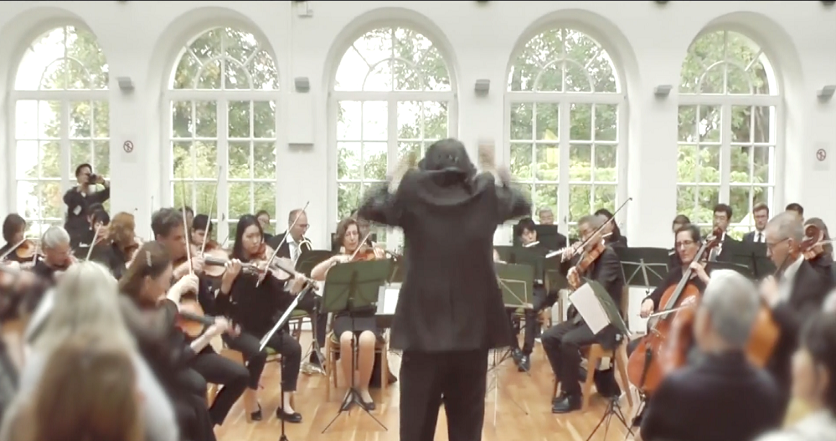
<point>725,152</point>
<point>223,161</point>
<point>563,192</point>
<point>65,158</point>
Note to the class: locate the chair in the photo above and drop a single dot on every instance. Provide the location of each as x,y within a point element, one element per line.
<point>332,351</point>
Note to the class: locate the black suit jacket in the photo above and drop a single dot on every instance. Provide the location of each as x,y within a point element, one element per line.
<point>721,398</point>
<point>284,251</point>
<point>808,293</point>
<point>749,238</point>
<point>449,299</point>
<point>729,246</point>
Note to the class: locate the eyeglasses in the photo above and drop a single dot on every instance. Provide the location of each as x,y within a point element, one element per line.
<point>772,245</point>
<point>684,243</point>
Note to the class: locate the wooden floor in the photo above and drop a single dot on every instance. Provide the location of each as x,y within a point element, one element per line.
<point>522,408</point>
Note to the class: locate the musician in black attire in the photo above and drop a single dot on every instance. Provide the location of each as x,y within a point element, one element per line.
<point>169,230</point>
<point>821,256</point>
<point>615,238</point>
<point>450,310</point>
<point>539,301</point>
<point>57,257</point>
<point>14,230</point>
<point>256,309</point>
<point>264,219</point>
<point>147,283</point>
<point>293,243</point>
<point>79,198</point>
<point>562,343</point>
<point>797,294</point>
<point>722,218</point>
<point>724,397</point>
<point>117,244</point>
<point>678,222</point>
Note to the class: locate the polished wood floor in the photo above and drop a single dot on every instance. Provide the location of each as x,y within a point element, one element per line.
<point>521,410</point>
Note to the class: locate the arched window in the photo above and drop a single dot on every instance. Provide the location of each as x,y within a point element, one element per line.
<point>565,124</point>
<point>728,103</point>
<point>392,96</point>
<point>61,120</point>
<point>223,96</point>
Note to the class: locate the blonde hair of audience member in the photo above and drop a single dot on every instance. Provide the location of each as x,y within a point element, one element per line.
<point>88,391</point>
<point>86,299</point>
<point>348,235</point>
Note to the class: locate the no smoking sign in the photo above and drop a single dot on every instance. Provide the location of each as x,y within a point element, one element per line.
<point>128,146</point>
<point>821,154</point>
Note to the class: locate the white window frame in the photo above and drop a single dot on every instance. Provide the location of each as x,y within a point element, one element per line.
<point>65,97</point>
<point>392,98</point>
<point>726,102</point>
<point>222,97</point>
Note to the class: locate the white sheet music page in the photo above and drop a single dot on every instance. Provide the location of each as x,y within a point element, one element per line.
<point>590,308</point>
<point>388,300</point>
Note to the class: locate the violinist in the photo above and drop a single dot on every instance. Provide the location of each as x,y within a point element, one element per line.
<point>450,311</point>
<point>116,244</point>
<point>291,244</point>
<point>201,232</point>
<point>722,218</point>
<point>688,242</point>
<point>562,343</point>
<point>362,324</point>
<point>14,230</point>
<point>263,217</point>
<point>147,282</point>
<point>796,294</point>
<point>57,255</point>
<point>169,227</point>
<point>612,234</point>
<point>724,397</point>
<point>540,300</point>
<point>255,308</point>
<point>820,254</point>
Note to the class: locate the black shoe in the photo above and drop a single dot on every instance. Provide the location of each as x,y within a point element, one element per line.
<point>559,398</point>
<point>294,417</point>
<point>569,403</point>
<point>517,355</point>
<point>256,416</point>
<point>369,405</point>
<point>525,364</point>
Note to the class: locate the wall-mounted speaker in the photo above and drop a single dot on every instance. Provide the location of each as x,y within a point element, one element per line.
<point>829,3</point>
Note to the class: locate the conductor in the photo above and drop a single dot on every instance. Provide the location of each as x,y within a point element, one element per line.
<point>450,311</point>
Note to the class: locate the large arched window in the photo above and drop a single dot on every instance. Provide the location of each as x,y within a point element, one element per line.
<point>223,97</point>
<point>61,120</point>
<point>392,96</point>
<point>565,124</point>
<point>727,130</point>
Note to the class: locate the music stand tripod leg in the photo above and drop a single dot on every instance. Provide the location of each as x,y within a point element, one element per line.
<point>613,409</point>
<point>352,397</point>
<point>315,348</point>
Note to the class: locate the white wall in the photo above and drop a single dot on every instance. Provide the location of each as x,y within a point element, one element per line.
<point>646,41</point>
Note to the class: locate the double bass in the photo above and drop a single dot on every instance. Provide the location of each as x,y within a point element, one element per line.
<point>657,352</point>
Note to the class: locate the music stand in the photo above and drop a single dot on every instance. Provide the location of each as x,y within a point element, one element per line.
<point>516,284</point>
<point>304,265</point>
<point>351,288</point>
<point>614,318</point>
<point>398,270</point>
<point>754,256</point>
<point>643,266</point>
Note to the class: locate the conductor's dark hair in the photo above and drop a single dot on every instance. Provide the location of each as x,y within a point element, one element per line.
<point>448,155</point>
<point>11,225</point>
<point>526,224</point>
<point>723,208</point>
<point>692,230</point>
<point>165,220</point>
<point>818,338</point>
<point>796,208</point>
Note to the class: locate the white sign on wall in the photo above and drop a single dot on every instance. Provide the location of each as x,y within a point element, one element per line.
<point>128,151</point>
<point>821,156</point>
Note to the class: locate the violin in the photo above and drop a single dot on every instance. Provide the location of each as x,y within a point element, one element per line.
<point>190,318</point>
<point>813,242</point>
<point>364,254</point>
<point>216,260</point>
<point>590,254</point>
<point>669,335</point>
<point>27,250</point>
<point>274,266</point>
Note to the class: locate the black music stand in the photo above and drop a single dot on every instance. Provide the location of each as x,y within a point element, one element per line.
<point>644,267</point>
<point>549,237</point>
<point>304,265</point>
<point>613,314</point>
<point>351,288</point>
<point>516,284</point>
<point>398,270</point>
<point>754,256</point>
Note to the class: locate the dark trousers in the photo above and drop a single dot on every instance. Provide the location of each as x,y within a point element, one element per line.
<point>283,343</point>
<point>539,301</point>
<point>312,305</point>
<point>188,393</point>
<point>456,379</point>
<point>231,376</point>
<point>562,344</point>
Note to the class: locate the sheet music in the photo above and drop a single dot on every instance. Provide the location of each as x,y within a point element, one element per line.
<point>590,308</point>
<point>387,299</point>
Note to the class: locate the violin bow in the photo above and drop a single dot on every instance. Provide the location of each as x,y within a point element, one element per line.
<point>601,228</point>
<point>283,241</point>
<point>211,209</point>
<point>354,254</point>
<point>93,243</point>
<point>186,229</point>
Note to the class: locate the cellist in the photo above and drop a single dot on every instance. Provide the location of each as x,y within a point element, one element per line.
<point>562,342</point>
<point>794,295</point>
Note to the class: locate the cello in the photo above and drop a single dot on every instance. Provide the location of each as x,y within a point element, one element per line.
<point>653,357</point>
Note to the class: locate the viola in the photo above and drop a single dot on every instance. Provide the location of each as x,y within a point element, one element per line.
<point>669,337</point>
<point>364,254</point>
<point>27,250</point>
<point>191,319</point>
